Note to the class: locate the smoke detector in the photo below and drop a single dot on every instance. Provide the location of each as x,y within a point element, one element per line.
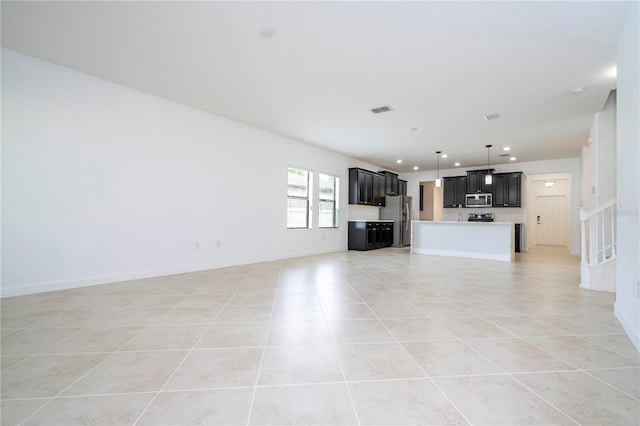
<point>493,116</point>
<point>267,33</point>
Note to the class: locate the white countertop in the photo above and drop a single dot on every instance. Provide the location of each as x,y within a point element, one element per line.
<point>461,223</point>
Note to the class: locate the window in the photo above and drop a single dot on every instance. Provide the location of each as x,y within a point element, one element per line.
<point>298,205</point>
<point>328,205</point>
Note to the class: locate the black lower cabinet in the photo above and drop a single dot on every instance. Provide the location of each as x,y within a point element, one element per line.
<point>386,232</point>
<point>518,237</point>
<point>365,235</point>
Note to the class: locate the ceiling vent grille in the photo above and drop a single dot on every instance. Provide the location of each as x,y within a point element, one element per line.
<point>381,109</point>
<point>491,117</point>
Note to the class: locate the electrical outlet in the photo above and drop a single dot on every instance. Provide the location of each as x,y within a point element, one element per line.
<point>217,244</point>
<point>197,245</point>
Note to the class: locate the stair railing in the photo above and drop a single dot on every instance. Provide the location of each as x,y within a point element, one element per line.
<point>600,227</point>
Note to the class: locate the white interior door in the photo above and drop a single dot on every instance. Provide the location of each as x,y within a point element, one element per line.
<point>552,222</point>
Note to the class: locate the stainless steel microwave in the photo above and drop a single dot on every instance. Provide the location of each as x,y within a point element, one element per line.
<point>478,200</point>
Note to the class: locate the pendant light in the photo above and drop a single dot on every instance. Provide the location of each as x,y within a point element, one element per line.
<point>438,180</point>
<point>488,178</point>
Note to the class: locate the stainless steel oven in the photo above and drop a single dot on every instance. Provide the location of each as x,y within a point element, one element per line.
<point>480,217</point>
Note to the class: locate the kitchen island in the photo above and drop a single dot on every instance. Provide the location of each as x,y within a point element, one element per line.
<point>476,240</point>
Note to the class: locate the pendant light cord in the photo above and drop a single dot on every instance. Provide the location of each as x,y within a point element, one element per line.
<point>488,161</point>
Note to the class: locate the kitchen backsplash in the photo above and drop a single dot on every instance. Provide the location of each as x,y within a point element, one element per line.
<point>510,214</point>
<point>356,212</point>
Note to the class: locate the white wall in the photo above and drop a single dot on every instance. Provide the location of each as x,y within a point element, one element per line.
<point>627,306</point>
<point>585,173</point>
<point>517,215</point>
<point>103,183</point>
<point>602,143</point>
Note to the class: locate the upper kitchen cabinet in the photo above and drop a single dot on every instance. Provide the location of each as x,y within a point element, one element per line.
<point>391,183</point>
<point>476,183</point>
<point>378,189</point>
<point>507,189</point>
<point>455,189</point>
<point>369,188</point>
<point>402,187</point>
<point>366,187</point>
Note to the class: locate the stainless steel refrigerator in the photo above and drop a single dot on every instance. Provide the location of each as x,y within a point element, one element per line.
<point>398,209</point>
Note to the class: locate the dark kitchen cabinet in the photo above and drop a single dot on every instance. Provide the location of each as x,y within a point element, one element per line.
<point>386,234</point>
<point>455,190</point>
<point>449,192</point>
<point>366,187</point>
<point>370,188</point>
<point>500,190</point>
<point>364,235</point>
<point>378,189</point>
<point>402,187</point>
<point>391,183</point>
<point>518,238</point>
<point>514,190</point>
<point>360,186</point>
<point>507,189</point>
<point>476,182</point>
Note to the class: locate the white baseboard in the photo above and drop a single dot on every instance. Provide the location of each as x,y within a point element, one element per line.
<point>469,255</point>
<point>41,287</point>
<point>630,327</point>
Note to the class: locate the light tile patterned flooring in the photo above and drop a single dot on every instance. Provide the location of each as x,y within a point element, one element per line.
<point>377,337</point>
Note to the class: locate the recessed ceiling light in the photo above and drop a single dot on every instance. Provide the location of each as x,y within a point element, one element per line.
<point>415,167</point>
<point>267,33</point>
<point>506,148</point>
<point>444,155</point>
<point>399,161</point>
<point>577,91</point>
<point>513,158</point>
<point>456,164</point>
<point>493,116</point>
<point>413,129</point>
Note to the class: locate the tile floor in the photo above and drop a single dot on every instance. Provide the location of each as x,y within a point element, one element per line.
<point>378,337</point>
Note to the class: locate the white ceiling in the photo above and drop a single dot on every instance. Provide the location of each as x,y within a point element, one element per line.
<point>441,66</point>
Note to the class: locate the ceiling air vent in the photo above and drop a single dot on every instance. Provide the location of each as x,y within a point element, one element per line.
<point>378,110</point>
<point>491,117</point>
